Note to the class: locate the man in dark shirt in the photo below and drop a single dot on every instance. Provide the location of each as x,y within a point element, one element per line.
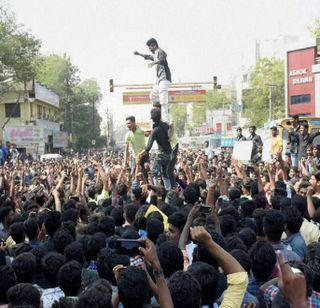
<point>256,140</point>
<point>159,91</point>
<point>239,136</point>
<point>305,139</point>
<point>160,135</point>
<point>293,140</point>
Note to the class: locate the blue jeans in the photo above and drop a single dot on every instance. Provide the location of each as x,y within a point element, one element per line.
<point>160,164</point>
<point>294,159</point>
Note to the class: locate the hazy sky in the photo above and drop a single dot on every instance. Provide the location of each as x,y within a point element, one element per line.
<point>201,37</point>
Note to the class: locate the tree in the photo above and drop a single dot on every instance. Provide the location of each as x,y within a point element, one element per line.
<point>19,51</point>
<point>79,101</point>
<point>178,113</point>
<point>256,100</point>
<point>86,119</point>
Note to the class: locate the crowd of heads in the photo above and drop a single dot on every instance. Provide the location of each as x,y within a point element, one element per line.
<point>60,222</point>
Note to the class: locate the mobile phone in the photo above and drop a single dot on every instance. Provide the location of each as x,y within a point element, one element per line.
<point>205,209</point>
<point>128,247</point>
<point>75,198</point>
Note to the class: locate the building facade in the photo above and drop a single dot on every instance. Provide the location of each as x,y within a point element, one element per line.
<point>28,117</point>
<point>303,82</point>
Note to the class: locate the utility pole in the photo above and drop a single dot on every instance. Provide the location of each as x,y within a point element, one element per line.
<point>271,86</point>
<point>93,120</point>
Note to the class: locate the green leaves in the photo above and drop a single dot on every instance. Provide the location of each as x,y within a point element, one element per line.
<point>80,114</point>
<point>256,100</point>
<point>19,50</point>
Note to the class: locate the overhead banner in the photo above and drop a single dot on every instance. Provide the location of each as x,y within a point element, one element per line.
<point>174,96</point>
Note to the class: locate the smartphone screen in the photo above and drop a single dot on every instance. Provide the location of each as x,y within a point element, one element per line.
<point>205,209</point>
<point>128,247</point>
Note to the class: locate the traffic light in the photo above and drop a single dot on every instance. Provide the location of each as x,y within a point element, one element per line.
<point>215,82</point>
<point>216,86</point>
<point>111,85</point>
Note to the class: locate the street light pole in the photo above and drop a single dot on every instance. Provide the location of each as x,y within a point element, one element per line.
<point>93,118</point>
<point>270,103</point>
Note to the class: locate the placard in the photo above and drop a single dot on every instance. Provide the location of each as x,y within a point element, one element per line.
<point>242,150</point>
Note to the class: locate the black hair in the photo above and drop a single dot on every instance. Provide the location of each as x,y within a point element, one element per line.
<point>170,257</point>
<point>292,219</point>
<point>133,287</point>
<point>208,278</point>
<point>185,290</point>
<point>304,124</point>
<point>107,260</point>
<point>74,251</point>
<point>4,212</point>
<point>273,225</point>
<point>248,236</point>
<point>92,227</point>
<point>312,259</point>
<point>131,118</point>
<point>190,195</point>
<point>234,193</point>
<point>70,215</point>
<point>61,239</point>
<point>24,295</point>
<point>8,279</point>
<point>178,220</point>
<point>130,211</point>
<point>51,263</point>
<point>155,115</point>
<point>93,245</point>
<point>258,216</point>
<point>247,207</point>
<point>69,278</point>
<point>17,232</point>
<point>234,242</point>
<point>228,224</point>
<point>107,225</point>
<point>300,203</point>
<point>52,222</point>
<point>93,297</point>
<point>117,214</point>
<point>263,260</point>
<point>243,258</point>
<point>152,41</point>
<point>25,265</point>
<point>31,228</point>
<point>231,210</point>
<point>154,228</point>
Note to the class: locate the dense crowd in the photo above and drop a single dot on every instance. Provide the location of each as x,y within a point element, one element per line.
<point>170,228</point>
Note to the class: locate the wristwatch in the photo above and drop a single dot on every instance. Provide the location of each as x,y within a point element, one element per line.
<point>157,273</point>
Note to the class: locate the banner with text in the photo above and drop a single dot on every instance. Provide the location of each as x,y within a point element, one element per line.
<point>174,96</point>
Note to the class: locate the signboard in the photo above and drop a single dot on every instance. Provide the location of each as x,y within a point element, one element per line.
<point>46,95</point>
<point>60,139</point>
<point>242,150</point>
<point>23,135</point>
<point>174,96</point>
<point>300,81</point>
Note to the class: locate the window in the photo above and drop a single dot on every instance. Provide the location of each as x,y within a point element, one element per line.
<point>39,110</point>
<point>12,110</point>
<point>300,99</point>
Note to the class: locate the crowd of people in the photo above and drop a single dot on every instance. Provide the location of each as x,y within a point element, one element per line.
<point>211,231</point>
<point>172,227</point>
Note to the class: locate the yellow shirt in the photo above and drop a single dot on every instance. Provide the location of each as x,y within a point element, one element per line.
<point>237,286</point>
<point>137,140</point>
<point>276,145</point>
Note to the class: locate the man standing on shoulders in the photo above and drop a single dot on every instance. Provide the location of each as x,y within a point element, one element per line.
<point>135,138</point>
<point>159,92</point>
<point>276,143</point>
<point>293,140</point>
